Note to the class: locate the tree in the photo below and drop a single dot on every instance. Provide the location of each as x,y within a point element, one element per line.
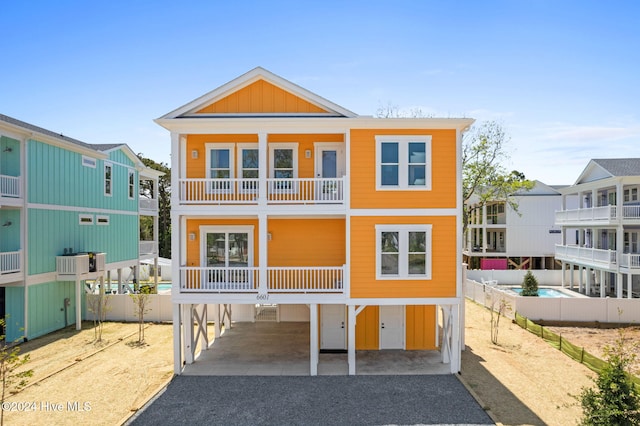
<point>141,305</point>
<point>98,305</point>
<point>483,173</point>
<point>529,285</point>
<point>10,362</point>
<point>615,400</point>
<point>164,206</point>
<point>498,306</point>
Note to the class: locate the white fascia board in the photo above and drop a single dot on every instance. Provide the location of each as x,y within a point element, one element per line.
<point>249,78</point>
<point>406,301</point>
<point>307,125</point>
<point>589,186</point>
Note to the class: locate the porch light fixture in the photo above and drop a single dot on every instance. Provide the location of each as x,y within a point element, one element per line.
<point>269,236</point>
<point>194,154</point>
<point>7,223</point>
<point>192,236</point>
<point>7,149</point>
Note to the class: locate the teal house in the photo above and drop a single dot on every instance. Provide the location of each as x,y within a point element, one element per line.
<point>69,213</point>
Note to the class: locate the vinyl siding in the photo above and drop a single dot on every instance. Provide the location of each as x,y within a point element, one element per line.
<point>261,97</point>
<point>193,247</point>
<point>306,242</point>
<point>46,307</point>
<point>14,308</point>
<point>443,172</point>
<point>421,328</point>
<point>9,161</point>
<point>363,259</point>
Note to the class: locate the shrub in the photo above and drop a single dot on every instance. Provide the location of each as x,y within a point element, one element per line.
<point>529,285</point>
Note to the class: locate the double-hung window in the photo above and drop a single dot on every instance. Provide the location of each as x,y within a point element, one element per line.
<point>220,166</point>
<point>403,252</point>
<point>132,184</point>
<point>108,178</point>
<point>248,166</point>
<point>283,158</point>
<point>403,162</point>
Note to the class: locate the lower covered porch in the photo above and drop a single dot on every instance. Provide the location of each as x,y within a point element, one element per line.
<point>314,339</point>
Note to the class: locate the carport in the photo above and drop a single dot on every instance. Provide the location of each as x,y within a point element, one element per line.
<point>283,348</point>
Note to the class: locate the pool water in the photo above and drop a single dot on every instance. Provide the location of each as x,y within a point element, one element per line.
<point>162,287</point>
<point>543,292</point>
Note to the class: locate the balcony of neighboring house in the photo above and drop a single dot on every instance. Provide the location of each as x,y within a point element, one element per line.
<point>283,191</point>
<point>147,249</point>
<point>80,266</point>
<point>587,256</point>
<point>11,266</point>
<point>148,206</point>
<point>605,215</point>
<point>10,190</point>
<point>630,261</point>
<point>263,285</point>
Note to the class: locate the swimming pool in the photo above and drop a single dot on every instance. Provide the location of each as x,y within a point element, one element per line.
<point>162,287</point>
<point>544,292</point>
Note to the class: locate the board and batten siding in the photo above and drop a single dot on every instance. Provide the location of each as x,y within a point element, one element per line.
<point>57,177</point>
<point>51,231</point>
<point>10,235</point>
<point>46,307</point>
<point>420,329</point>
<point>9,156</point>
<point>14,302</point>
<point>528,229</point>
<point>443,258</point>
<point>363,168</point>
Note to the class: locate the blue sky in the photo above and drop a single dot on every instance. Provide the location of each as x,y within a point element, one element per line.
<point>561,76</point>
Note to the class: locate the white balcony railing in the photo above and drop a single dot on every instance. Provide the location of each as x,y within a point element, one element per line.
<point>316,279</point>
<point>631,212</point>
<point>586,254</point>
<point>630,260</point>
<point>9,186</point>
<point>79,264</point>
<point>10,262</point>
<point>605,213</point>
<point>145,203</point>
<point>148,247</point>
<point>246,191</point>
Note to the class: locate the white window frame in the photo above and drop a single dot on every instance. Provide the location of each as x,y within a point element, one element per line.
<point>403,163</point>
<point>110,179</point>
<point>85,219</point>
<point>102,220</point>
<point>403,254</point>
<point>208,148</point>
<point>131,184</point>
<point>241,147</point>
<point>293,146</point>
<point>89,162</point>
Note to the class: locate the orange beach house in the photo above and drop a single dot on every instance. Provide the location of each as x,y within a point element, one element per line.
<point>283,200</point>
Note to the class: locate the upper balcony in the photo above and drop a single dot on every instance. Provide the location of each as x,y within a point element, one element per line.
<point>147,249</point>
<point>605,215</point>
<point>587,256</point>
<point>11,266</point>
<point>80,266</point>
<point>148,206</point>
<point>296,191</point>
<point>10,193</point>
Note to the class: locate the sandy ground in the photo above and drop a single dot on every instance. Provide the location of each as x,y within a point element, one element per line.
<point>522,380</point>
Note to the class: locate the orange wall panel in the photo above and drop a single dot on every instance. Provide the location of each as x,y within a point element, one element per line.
<point>443,255</point>
<point>261,97</point>
<point>367,329</point>
<point>443,172</point>
<point>193,225</point>
<point>421,328</point>
<point>306,242</point>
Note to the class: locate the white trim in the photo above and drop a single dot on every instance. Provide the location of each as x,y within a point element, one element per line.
<point>403,142</point>
<point>283,145</point>
<point>402,212</point>
<point>209,146</point>
<point>241,146</point>
<point>79,209</point>
<point>110,180</point>
<point>340,160</point>
<point>85,219</point>
<point>102,219</point>
<point>403,251</point>
<point>89,161</point>
<point>226,229</point>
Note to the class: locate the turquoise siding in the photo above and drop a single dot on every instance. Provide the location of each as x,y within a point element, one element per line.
<point>120,157</point>
<point>57,177</point>
<point>9,156</point>
<point>14,308</point>
<point>51,231</point>
<point>46,307</point>
<point>9,235</point>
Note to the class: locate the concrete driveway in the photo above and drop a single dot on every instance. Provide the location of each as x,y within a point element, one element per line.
<point>321,400</point>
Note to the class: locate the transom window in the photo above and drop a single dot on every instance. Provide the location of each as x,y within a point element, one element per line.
<point>403,252</point>
<point>403,162</point>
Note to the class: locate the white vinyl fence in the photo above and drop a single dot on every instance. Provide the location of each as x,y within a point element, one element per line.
<point>515,276</point>
<point>573,309</point>
<point>122,308</point>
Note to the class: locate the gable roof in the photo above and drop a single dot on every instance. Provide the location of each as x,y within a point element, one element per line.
<point>603,168</point>
<point>204,105</point>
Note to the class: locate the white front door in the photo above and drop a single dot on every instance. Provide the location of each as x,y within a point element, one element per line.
<point>392,327</point>
<point>333,327</point>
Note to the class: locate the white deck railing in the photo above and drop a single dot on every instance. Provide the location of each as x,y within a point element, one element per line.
<point>630,260</point>
<point>145,203</point>
<point>9,186</point>
<point>78,264</point>
<point>246,191</point>
<point>586,254</point>
<point>10,262</point>
<point>605,213</point>
<point>313,279</point>
<point>148,247</point>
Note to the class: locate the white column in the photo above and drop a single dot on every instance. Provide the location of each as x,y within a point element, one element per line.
<point>351,338</point>
<point>564,271</point>
<point>462,307</point>
<point>313,339</point>
<point>571,275</point>
<point>602,284</point>
<point>629,285</point>
<point>177,339</point>
<point>455,339</point>
<point>588,290</point>
<point>78,304</point>
<point>216,319</point>
<point>619,285</point>
<point>187,322</point>
<point>262,252</point>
